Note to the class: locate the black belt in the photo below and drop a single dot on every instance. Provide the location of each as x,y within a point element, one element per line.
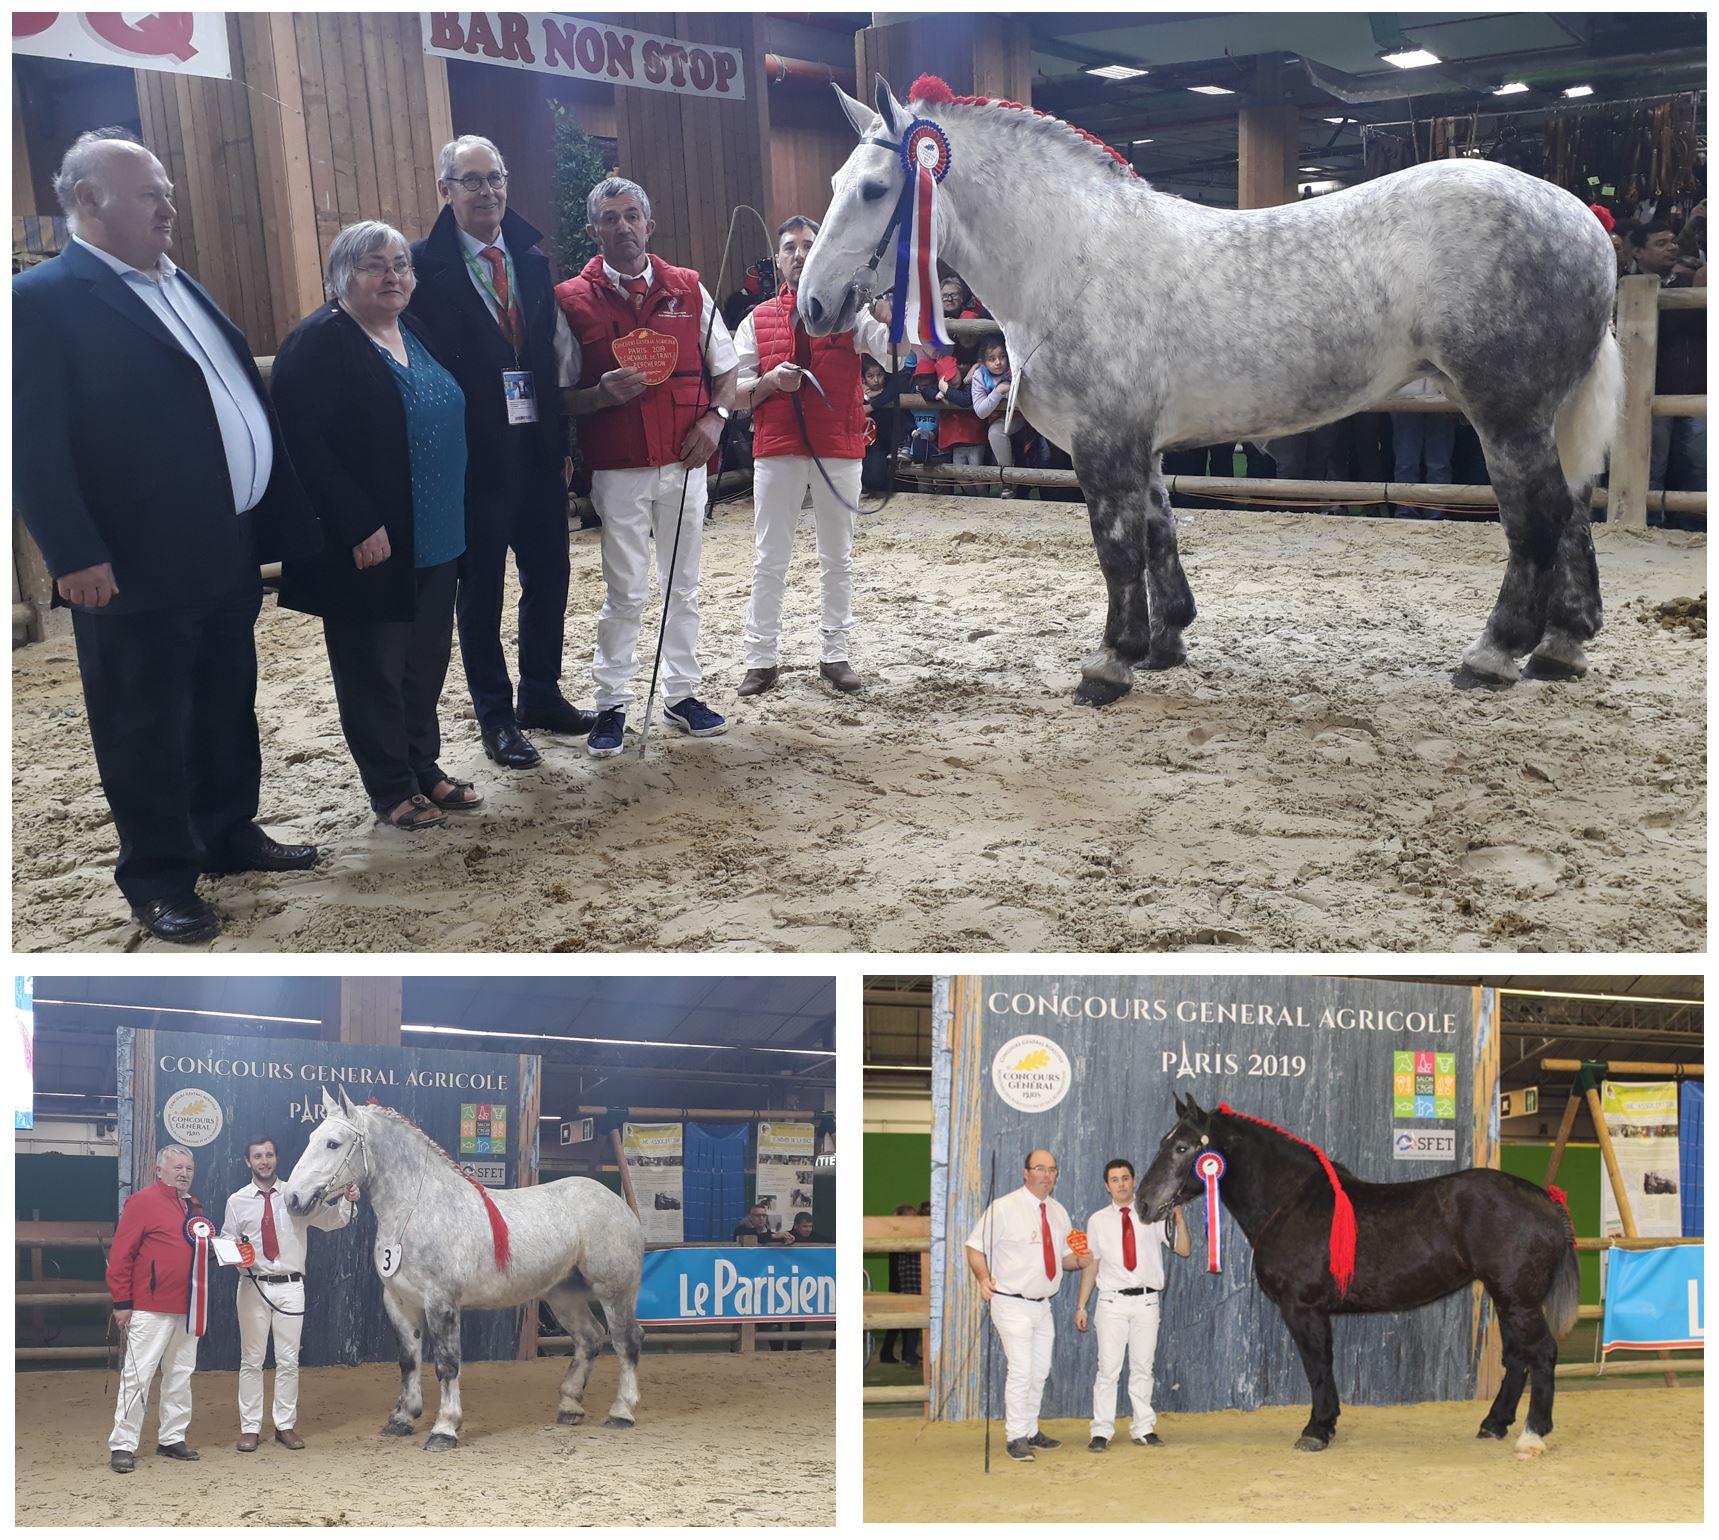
<point>1133,1292</point>
<point>1035,1299</point>
<point>278,1277</point>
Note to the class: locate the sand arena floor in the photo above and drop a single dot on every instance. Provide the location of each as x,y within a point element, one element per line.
<point>1625,1456</point>
<point>721,1439</point>
<point>1311,781</point>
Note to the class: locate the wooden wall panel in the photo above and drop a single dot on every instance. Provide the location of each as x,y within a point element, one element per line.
<point>988,56</point>
<point>809,140</point>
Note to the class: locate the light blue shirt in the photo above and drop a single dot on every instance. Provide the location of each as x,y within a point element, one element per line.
<point>239,411</point>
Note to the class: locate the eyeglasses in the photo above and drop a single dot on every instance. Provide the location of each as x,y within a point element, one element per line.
<point>400,267</point>
<point>1051,1169</point>
<point>472,181</point>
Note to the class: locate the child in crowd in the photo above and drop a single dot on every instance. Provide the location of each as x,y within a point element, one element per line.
<point>880,394</point>
<point>940,377</point>
<point>992,385</point>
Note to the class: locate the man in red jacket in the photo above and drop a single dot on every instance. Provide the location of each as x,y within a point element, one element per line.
<point>149,1275</point>
<point>775,352</point>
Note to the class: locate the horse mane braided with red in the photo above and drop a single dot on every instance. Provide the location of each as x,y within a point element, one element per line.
<point>1342,1244</point>
<point>934,90</point>
<point>497,1225</point>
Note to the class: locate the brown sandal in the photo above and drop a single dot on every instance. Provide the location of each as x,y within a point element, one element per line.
<point>420,813</point>
<point>457,802</point>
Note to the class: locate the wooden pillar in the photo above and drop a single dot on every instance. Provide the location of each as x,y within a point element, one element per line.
<point>978,55</point>
<point>1632,449</point>
<point>1488,1335</point>
<point>363,1010</point>
<point>1566,1126</point>
<point>626,1172</point>
<point>1267,141</point>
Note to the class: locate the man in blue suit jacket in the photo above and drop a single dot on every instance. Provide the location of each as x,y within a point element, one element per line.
<point>149,468</point>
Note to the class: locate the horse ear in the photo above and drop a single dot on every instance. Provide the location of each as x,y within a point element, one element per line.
<point>346,1105</point>
<point>329,1104</point>
<point>888,108</point>
<point>1181,1106</point>
<point>1194,1109</point>
<point>858,114</point>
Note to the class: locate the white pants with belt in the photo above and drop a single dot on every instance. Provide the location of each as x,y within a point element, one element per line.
<point>1125,1324</point>
<point>637,507</point>
<point>1028,1334</point>
<point>154,1341</point>
<point>779,487</point>
<point>256,1321</point>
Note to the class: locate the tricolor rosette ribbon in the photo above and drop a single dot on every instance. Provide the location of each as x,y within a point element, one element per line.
<point>199,1231</point>
<point>1208,1168</point>
<point>917,315</point>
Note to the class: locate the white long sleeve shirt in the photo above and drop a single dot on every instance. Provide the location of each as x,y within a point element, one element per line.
<point>243,1221</point>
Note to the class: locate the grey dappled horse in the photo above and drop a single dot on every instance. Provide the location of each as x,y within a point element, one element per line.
<point>568,1242</point>
<point>1137,322</point>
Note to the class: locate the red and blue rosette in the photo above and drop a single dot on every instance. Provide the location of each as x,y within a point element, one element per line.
<point>199,1231</point>
<point>918,311</point>
<point>1208,1168</point>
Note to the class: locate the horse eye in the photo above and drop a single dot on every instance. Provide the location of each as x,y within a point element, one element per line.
<point>873,188</point>
<point>334,1144</point>
<point>1181,1149</point>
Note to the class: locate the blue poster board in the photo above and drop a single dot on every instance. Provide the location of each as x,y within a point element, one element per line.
<point>738,1283</point>
<point>1654,1299</point>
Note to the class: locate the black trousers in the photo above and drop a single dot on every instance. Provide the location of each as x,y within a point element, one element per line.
<point>525,510</point>
<point>388,678</point>
<point>171,698</point>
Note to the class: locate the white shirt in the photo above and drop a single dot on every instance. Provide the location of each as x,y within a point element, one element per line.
<point>239,410</point>
<point>870,337</point>
<point>567,360</point>
<point>243,1221</point>
<point>719,356</point>
<point>1010,1233</point>
<point>1104,1236</point>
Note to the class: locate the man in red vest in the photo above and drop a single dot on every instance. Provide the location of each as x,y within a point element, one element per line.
<point>775,352</point>
<point>653,422</point>
<point>149,1275</point>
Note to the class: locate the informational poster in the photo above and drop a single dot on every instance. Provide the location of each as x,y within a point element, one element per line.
<point>785,1169</point>
<point>179,42</point>
<point>23,1052</point>
<point>1642,1120</point>
<point>656,1160</point>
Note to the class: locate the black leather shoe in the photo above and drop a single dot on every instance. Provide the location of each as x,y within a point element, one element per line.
<point>122,1461</point>
<point>266,855</point>
<point>1151,1441</point>
<point>1097,1445</point>
<point>185,920</point>
<point>510,747</point>
<point>563,717</point>
<point>179,1451</point>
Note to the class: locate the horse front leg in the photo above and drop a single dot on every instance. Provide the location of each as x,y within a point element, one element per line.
<point>1170,601</point>
<point>1116,482</point>
<point>1311,1330</point>
<point>408,1321</point>
<point>443,1319</point>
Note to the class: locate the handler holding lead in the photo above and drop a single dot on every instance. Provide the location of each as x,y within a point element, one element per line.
<point>271,1293</point>
<point>150,1276</point>
<point>1125,1261</point>
<point>1013,1252</point>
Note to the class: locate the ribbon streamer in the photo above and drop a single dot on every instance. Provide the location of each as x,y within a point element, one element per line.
<point>1209,1167</point>
<point>199,1231</point>
<point>918,312</point>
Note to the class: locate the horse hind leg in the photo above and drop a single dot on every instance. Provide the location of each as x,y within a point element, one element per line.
<point>444,1323</point>
<point>409,1323</point>
<point>1170,601</point>
<point>571,1303</point>
<point>1541,1351</point>
<point>629,1340</point>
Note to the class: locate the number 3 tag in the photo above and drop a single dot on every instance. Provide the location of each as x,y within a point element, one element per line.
<point>388,1260</point>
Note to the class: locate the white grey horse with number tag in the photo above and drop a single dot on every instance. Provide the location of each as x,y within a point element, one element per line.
<point>1137,322</point>
<point>445,1244</point>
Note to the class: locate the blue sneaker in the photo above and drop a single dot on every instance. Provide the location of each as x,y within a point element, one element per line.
<point>693,716</point>
<point>606,734</point>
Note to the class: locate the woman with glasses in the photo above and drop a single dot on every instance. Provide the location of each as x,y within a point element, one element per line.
<point>376,429</point>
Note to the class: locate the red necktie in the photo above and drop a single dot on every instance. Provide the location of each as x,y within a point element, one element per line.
<point>1127,1240</point>
<point>271,1242</point>
<point>637,288</point>
<point>1050,1250</point>
<point>507,317</point>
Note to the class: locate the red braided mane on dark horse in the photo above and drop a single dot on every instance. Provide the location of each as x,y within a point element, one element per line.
<point>934,90</point>
<point>497,1225</point>
<point>1342,1212</point>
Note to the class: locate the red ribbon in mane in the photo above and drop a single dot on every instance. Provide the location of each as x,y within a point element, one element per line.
<point>1342,1211</point>
<point>933,89</point>
<point>497,1225</point>
<point>1558,1196</point>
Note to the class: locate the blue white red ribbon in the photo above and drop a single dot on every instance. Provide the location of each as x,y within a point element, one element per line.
<point>1208,1168</point>
<point>917,315</point>
<point>199,1231</point>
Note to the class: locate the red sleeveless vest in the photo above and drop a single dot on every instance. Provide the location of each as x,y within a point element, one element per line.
<point>837,431</point>
<point>649,429</point>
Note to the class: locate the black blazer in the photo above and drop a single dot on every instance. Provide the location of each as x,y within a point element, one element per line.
<point>474,351</point>
<point>117,454</point>
<point>346,427</point>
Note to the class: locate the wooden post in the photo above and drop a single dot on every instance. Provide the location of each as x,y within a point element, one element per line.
<point>1487,1341</point>
<point>1268,142</point>
<point>1564,1130</point>
<point>626,1174</point>
<point>530,1104</point>
<point>365,1011</point>
<point>1632,450</point>
<point>35,583</point>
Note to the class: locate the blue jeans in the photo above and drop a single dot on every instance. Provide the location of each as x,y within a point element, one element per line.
<point>1417,439</point>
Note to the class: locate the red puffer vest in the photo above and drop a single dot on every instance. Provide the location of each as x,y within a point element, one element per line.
<point>837,431</point>
<point>649,429</point>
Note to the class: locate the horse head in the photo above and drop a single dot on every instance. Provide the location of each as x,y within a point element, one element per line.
<point>1170,1179</point>
<point>333,1158</point>
<point>840,275</point>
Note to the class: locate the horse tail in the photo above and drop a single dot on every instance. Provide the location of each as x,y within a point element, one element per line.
<point>1564,1298</point>
<point>1587,422</point>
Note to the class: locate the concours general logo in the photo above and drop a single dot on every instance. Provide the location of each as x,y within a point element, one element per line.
<point>1031,1073</point>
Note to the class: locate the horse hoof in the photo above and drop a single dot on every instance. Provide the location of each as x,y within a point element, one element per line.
<point>1099,692</point>
<point>440,1443</point>
<point>396,1429</point>
<point>570,1419</point>
<point>1172,655</point>
<point>617,1422</point>
<point>1559,656</point>
<point>1310,1444</point>
<point>1465,678</point>
<point>1530,1446</point>
<point>1486,1432</point>
<point>1490,664</point>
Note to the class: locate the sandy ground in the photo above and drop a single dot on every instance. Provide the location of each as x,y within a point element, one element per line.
<point>721,1439</point>
<point>1388,1464</point>
<point>1312,781</point>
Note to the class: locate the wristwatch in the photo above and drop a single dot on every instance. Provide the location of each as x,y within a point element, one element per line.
<point>721,411</point>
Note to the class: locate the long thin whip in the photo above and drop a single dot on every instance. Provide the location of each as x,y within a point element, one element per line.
<point>990,1231</point>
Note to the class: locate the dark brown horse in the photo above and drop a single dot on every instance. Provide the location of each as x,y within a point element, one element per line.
<point>1406,1245</point>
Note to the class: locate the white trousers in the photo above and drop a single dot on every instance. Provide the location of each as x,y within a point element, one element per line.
<point>256,1321</point>
<point>154,1341</point>
<point>638,507</point>
<point>1124,1324</point>
<point>1028,1334</point>
<point>779,487</point>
